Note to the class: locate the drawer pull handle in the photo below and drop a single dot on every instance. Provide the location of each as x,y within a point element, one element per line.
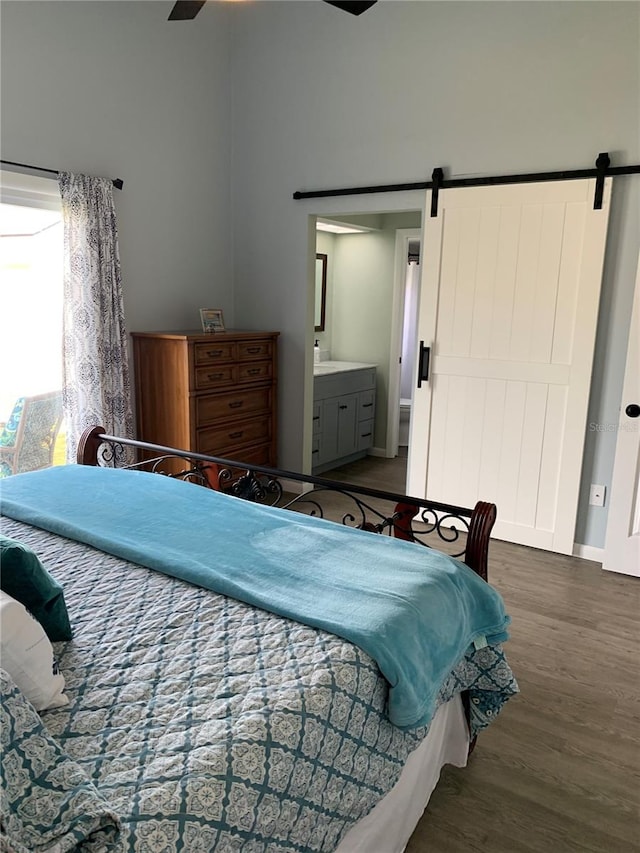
<point>313,452</point>
<point>253,371</point>
<point>213,376</point>
<point>343,407</point>
<point>316,417</point>
<point>367,405</point>
<point>365,435</point>
<point>253,350</point>
<point>214,353</point>
<point>236,404</point>
<point>238,434</point>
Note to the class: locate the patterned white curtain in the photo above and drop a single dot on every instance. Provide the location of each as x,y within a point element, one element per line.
<point>96,387</point>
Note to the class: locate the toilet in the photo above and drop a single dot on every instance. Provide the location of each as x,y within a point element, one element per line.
<point>405,417</point>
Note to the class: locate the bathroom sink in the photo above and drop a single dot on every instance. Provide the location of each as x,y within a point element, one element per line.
<point>322,368</point>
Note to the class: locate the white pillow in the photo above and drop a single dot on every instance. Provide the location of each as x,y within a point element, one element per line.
<point>27,655</point>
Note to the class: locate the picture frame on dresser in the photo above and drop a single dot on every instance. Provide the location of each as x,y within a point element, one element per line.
<point>212,320</point>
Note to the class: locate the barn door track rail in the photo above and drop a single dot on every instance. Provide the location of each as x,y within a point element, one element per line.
<point>603,169</point>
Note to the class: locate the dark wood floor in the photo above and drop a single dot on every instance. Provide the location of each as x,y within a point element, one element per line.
<point>387,474</point>
<point>560,768</point>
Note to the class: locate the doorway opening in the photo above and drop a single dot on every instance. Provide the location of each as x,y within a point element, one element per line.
<point>369,321</point>
<point>406,296</point>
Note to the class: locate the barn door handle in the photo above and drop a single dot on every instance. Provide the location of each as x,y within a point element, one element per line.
<point>423,364</point>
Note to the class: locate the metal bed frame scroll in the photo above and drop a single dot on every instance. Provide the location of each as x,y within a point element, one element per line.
<point>462,532</point>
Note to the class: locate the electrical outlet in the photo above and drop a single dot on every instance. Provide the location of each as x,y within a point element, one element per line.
<point>597,495</point>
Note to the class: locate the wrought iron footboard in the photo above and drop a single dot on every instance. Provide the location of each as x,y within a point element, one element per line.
<point>461,531</point>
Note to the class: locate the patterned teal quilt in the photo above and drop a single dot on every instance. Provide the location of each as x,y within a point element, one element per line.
<point>47,802</point>
<point>209,724</point>
<point>415,611</point>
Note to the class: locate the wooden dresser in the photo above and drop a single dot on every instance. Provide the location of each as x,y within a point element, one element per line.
<point>209,393</point>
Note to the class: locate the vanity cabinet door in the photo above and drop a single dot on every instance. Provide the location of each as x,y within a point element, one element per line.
<point>328,436</point>
<point>347,419</point>
<point>339,419</point>
<point>316,439</point>
<point>343,417</point>
<point>317,418</point>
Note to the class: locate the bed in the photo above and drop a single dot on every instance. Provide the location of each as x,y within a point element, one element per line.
<point>245,674</point>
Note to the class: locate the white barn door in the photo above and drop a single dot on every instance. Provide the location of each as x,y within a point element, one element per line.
<point>509,302</point>
<point>622,546</point>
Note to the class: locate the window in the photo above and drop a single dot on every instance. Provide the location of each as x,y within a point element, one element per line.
<point>31,256</point>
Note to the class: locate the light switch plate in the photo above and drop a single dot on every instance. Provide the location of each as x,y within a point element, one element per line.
<point>597,495</point>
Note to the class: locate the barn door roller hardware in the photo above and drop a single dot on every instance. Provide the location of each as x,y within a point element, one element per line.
<point>436,179</point>
<point>602,164</point>
<point>602,170</point>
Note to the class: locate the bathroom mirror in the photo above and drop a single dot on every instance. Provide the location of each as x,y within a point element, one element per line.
<point>321,291</point>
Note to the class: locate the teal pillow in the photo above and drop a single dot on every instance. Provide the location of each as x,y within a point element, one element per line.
<point>23,577</point>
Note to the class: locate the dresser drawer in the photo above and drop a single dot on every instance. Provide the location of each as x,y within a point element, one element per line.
<point>213,352</point>
<point>254,349</point>
<point>216,440</point>
<point>213,393</point>
<point>260,455</point>
<point>364,435</point>
<point>366,401</point>
<point>215,375</point>
<point>212,407</point>
<point>249,371</point>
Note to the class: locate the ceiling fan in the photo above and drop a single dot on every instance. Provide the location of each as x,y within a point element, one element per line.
<point>186,10</point>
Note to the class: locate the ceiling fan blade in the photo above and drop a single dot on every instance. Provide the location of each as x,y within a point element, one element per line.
<point>356,7</point>
<point>185,10</point>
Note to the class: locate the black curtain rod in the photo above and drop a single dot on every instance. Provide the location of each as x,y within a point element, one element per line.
<point>492,180</point>
<point>117,182</point>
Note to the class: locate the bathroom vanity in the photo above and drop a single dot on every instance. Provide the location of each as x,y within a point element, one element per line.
<point>344,405</point>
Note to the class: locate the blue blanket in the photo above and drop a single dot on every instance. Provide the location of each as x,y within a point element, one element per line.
<point>413,610</point>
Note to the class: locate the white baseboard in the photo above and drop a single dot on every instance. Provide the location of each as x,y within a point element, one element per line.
<point>377,451</point>
<point>588,552</point>
<point>295,486</point>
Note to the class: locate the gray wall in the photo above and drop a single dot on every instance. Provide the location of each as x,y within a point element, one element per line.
<point>361,308</point>
<point>325,100</point>
<point>227,116</point>
<point>113,89</point>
